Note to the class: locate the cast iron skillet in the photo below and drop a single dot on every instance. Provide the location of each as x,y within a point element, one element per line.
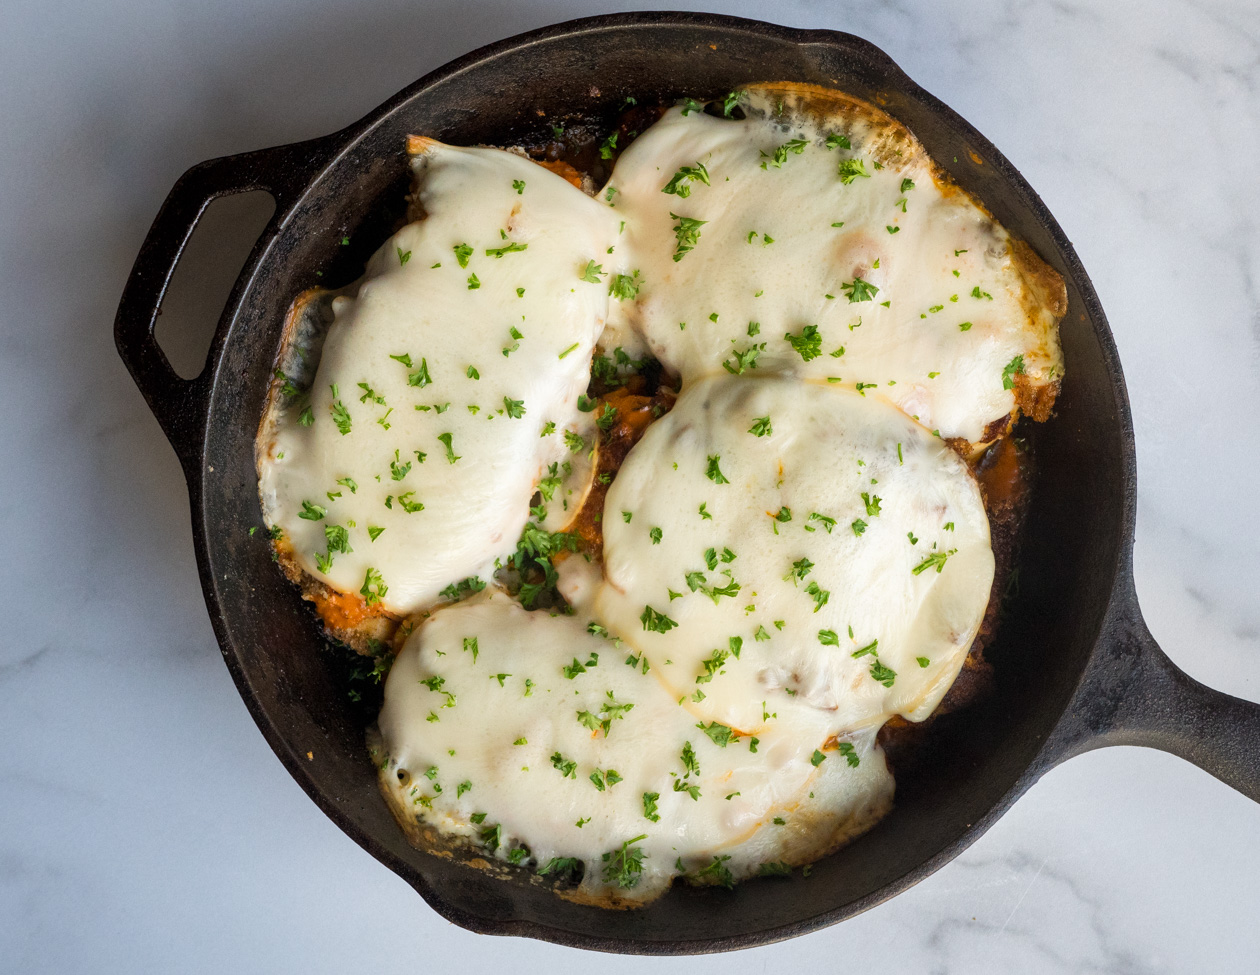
<point>1076,668</point>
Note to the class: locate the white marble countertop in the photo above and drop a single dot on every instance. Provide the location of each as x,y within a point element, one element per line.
<point>144,823</point>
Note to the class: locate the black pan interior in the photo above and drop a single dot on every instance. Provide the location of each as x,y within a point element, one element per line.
<point>979,760</point>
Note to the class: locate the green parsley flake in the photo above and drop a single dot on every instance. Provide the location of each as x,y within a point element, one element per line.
<point>808,344</point>
<point>687,233</point>
<point>858,290</point>
<point>713,472</point>
<point>851,169</point>
<point>680,184</point>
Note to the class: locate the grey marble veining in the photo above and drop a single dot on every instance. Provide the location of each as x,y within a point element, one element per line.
<point>145,825</point>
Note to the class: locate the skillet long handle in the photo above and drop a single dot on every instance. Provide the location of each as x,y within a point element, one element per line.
<point>180,404</point>
<point>1132,694</point>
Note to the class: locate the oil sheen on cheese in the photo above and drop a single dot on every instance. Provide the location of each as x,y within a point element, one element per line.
<point>446,385</point>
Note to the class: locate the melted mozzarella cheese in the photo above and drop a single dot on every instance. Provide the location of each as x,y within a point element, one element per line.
<point>535,725</point>
<point>446,385</point>
<point>794,548</point>
<point>880,273</point>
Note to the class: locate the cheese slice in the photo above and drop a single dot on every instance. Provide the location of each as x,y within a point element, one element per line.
<point>559,741</point>
<point>446,385</point>
<point>815,236</point>
<point>797,549</point>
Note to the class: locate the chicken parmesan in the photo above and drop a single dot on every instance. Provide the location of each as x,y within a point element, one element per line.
<point>670,473</point>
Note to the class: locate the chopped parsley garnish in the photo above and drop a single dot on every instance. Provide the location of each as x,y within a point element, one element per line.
<point>907,184</point>
<point>374,588</point>
<point>312,512</point>
<point>561,866</point>
<point>649,806</point>
<point>607,417</point>
<point>655,621</point>
<point>451,456</point>
<point>574,442</point>
<point>713,472</point>
<point>820,595</point>
<point>977,293</point>
<point>712,665</point>
<point>808,344</point>
<point>470,646</point>
<point>515,407</point>
<point>828,638</point>
<point>718,870</point>
<point>1013,368</point>
<point>403,256</point>
<point>780,154</point>
<point>624,287</point>
<point>656,534</point>
<point>608,147</point>
<point>720,734</point>
<point>850,754</point>
<point>338,539</point>
<point>837,140</point>
<point>420,378</point>
<point>462,253</point>
<point>871,648</point>
<point>935,560</point>
<point>564,766</point>
<point>602,779</point>
<point>473,282</point>
<point>465,587</point>
<point>872,504</point>
<point>746,359</point>
<point>882,674</point>
<point>509,248</point>
<point>922,661</point>
<point>858,526</point>
<point>858,290</point>
<point>687,233</point>
<point>519,186</point>
<point>593,272</point>
<point>851,169</point>
<point>817,758</point>
<point>680,185</point>
<point>570,671</point>
<point>340,416</point>
<point>608,712</point>
<point>827,523</point>
<point>800,569</point>
<point>691,765</point>
<point>704,511</point>
<point>623,866</point>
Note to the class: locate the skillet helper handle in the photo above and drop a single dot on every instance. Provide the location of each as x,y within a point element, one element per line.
<point>1137,696</point>
<point>180,404</point>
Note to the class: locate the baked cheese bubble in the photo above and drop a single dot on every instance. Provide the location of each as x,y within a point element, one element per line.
<point>795,549</point>
<point>448,386</point>
<point>815,235</point>
<point>548,741</point>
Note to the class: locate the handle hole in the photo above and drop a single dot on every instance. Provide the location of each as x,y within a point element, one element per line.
<point>203,279</point>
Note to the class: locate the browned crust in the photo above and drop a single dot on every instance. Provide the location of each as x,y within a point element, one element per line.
<point>1045,285</point>
<point>895,142</point>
